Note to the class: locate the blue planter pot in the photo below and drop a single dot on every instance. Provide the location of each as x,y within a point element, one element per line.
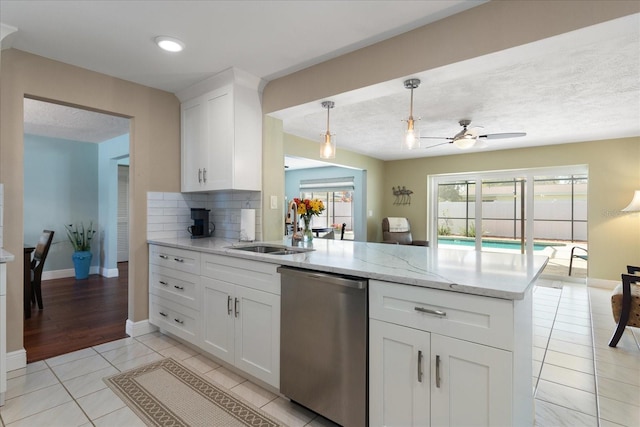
<point>82,263</point>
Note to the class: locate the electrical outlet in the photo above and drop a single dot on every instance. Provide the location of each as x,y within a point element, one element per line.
<point>274,202</point>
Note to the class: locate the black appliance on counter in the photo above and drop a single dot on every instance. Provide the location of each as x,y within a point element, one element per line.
<point>200,227</point>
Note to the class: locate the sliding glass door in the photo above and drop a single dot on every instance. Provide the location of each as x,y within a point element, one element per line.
<point>525,211</point>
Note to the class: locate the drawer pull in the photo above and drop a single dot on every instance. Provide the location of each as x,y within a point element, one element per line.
<point>236,307</point>
<point>180,288</point>
<point>437,371</point>
<point>163,283</point>
<point>179,259</point>
<point>229,308</point>
<point>163,256</point>
<point>163,314</point>
<point>430,311</point>
<point>420,366</point>
<point>179,321</point>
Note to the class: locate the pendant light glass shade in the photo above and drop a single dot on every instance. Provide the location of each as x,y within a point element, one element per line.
<point>634,206</point>
<point>328,145</point>
<point>411,134</point>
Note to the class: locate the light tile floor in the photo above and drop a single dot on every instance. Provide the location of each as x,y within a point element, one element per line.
<point>578,379</point>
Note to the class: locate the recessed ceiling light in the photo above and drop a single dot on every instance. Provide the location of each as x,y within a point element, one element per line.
<point>170,44</point>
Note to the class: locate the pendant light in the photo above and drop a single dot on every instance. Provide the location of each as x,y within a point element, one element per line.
<point>411,134</point>
<point>328,147</point>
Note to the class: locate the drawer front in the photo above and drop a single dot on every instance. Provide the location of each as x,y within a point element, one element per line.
<point>177,286</point>
<point>175,318</point>
<point>252,274</point>
<point>178,259</point>
<point>473,318</point>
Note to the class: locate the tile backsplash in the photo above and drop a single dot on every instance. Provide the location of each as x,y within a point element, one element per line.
<point>169,214</point>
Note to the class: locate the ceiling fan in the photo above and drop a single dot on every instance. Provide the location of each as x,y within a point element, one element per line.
<point>468,137</point>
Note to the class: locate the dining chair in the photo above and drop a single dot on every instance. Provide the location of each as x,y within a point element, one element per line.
<point>37,264</point>
<point>625,303</point>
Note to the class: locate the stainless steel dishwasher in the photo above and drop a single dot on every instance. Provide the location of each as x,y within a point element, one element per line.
<point>323,344</point>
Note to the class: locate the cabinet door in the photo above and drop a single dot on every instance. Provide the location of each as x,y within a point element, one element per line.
<point>398,375</point>
<point>471,384</point>
<point>218,317</point>
<point>194,144</point>
<point>258,334</point>
<point>219,173</point>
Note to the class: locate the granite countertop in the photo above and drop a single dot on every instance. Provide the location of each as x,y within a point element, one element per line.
<point>5,256</point>
<point>490,274</point>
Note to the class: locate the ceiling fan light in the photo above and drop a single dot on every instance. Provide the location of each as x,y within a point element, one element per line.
<point>465,142</point>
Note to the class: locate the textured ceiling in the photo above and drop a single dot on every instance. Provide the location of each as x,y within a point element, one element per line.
<point>59,121</point>
<point>579,86</point>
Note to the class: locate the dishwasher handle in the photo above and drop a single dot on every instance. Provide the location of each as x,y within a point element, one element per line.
<point>349,282</point>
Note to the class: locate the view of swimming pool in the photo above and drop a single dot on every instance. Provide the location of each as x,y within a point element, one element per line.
<point>496,244</point>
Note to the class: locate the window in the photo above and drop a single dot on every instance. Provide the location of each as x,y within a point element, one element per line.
<point>337,196</point>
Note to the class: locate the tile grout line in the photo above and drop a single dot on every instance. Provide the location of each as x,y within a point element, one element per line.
<point>593,350</point>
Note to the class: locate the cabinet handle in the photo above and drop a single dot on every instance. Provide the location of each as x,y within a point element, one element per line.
<point>180,288</point>
<point>179,259</point>
<point>229,309</point>
<point>200,176</point>
<point>163,283</point>
<point>163,256</point>
<point>179,321</point>
<point>204,175</point>
<point>430,311</point>
<point>236,307</point>
<point>420,366</point>
<point>437,371</point>
<point>163,314</point>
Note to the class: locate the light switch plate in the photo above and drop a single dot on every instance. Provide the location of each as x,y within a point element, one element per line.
<point>274,202</point>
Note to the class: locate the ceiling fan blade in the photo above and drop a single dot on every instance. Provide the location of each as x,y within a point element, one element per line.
<point>437,137</point>
<point>437,145</point>
<point>503,135</point>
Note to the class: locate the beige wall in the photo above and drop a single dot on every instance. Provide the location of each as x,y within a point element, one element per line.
<point>154,157</point>
<point>614,174</point>
<point>300,147</point>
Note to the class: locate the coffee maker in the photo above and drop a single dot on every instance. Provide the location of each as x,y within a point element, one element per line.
<point>200,227</point>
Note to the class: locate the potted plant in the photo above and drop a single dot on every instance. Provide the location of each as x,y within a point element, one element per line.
<point>80,238</point>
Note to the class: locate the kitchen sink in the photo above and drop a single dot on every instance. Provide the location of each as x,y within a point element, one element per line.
<point>271,249</point>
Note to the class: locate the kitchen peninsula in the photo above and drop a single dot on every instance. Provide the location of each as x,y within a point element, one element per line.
<point>453,328</point>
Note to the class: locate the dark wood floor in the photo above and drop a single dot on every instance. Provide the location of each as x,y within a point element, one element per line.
<point>77,314</point>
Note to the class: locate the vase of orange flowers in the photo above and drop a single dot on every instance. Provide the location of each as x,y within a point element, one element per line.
<point>306,209</point>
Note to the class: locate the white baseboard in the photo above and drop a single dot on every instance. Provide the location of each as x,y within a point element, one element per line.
<point>70,272</point>
<point>135,329</point>
<point>109,272</point>
<point>16,360</point>
<point>602,283</point>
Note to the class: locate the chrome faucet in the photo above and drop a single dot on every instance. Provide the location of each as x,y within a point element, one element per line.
<point>295,235</point>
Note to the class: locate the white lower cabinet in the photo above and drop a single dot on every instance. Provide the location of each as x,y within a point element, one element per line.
<point>418,377</point>
<point>399,375</point>
<point>226,306</point>
<point>242,327</point>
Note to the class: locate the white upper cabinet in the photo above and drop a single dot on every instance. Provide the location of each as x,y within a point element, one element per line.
<point>221,134</point>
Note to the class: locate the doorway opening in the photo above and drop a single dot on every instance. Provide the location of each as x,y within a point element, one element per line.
<point>71,162</point>
<point>535,211</point>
